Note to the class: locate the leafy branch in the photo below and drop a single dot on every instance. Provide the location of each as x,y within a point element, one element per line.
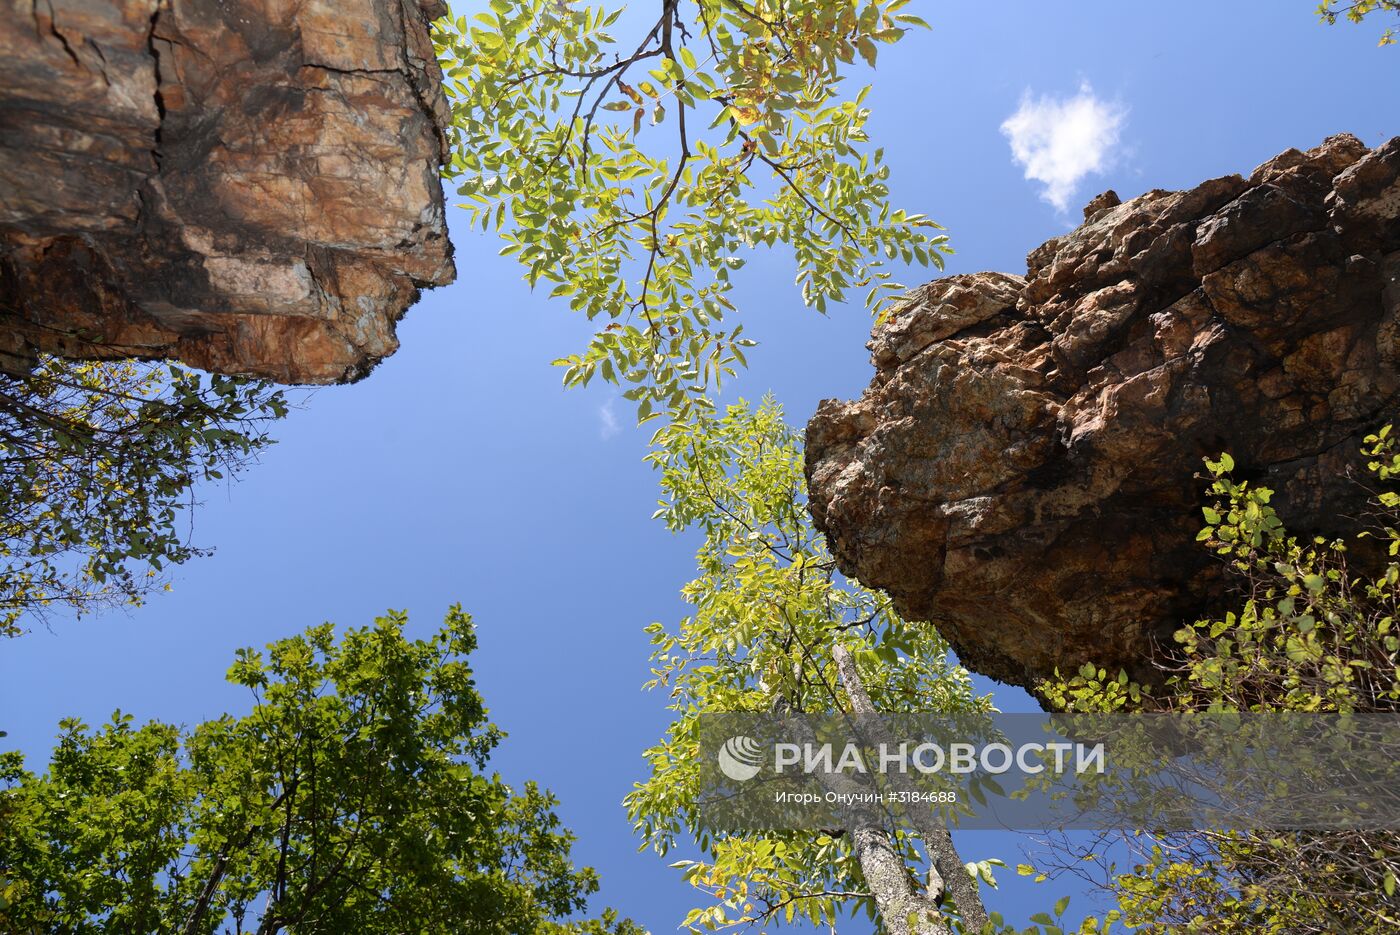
<point>1330,11</point>
<point>554,147</point>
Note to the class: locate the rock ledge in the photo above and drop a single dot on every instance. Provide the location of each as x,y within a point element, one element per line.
<point>1021,469</point>
<point>249,186</point>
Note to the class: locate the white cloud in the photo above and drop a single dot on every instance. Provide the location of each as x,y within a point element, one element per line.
<point>1061,140</point>
<point>608,426</point>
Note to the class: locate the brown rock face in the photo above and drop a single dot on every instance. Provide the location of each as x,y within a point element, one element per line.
<point>248,185</point>
<point>1020,471</point>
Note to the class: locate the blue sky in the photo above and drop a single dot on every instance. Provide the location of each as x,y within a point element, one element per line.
<point>460,470</point>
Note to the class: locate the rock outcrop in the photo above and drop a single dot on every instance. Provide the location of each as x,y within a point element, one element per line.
<point>248,185</point>
<point>1020,470</point>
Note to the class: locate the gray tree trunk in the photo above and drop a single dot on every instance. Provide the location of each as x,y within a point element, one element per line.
<point>902,907</point>
<point>903,910</point>
<point>947,875</point>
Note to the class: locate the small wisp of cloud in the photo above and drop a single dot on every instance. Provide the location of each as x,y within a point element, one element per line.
<point>608,425</point>
<point>1058,141</point>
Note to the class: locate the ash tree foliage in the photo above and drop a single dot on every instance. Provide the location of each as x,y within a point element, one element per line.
<point>99,463</point>
<point>351,798</point>
<point>1316,631</point>
<point>775,628</point>
<point>1333,10</point>
<point>631,163</point>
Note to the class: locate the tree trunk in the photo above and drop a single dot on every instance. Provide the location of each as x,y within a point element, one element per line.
<point>903,909</point>
<point>947,875</point>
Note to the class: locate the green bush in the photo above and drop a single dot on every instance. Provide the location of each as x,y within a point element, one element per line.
<point>1312,634</point>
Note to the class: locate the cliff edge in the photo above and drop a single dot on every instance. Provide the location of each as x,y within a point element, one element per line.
<point>251,187</point>
<point>1022,470</point>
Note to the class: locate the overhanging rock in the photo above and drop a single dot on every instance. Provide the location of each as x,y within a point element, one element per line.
<point>1021,470</point>
<point>250,186</point>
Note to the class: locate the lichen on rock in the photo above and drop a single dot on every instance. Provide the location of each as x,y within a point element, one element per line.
<point>1022,469</point>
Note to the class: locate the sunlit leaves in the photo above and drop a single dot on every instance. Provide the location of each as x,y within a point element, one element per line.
<point>1357,11</point>
<point>558,144</point>
<point>766,611</point>
<point>350,799</point>
<point>1312,632</point>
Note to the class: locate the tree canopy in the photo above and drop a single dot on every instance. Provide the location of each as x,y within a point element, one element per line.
<point>776,628</point>
<point>351,798</point>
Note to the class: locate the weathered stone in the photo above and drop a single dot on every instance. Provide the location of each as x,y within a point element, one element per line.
<point>249,186</point>
<point>1101,203</point>
<point>1024,469</point>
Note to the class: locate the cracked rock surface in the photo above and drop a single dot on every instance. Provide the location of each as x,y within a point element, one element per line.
<point>1020,470</point>
<point>250,186</point>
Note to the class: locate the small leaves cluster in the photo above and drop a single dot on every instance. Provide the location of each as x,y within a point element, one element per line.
<point>97,461</point>
<point>768,608</point>
<point>558,143</point>
<point>1358,10</point>
<point>1313,634</point>
<point>1275,883</point>
<point>1048,923</point>
<point>1092,689</point>
<point>350,799</point>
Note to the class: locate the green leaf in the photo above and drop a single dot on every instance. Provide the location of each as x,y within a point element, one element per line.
<point>867,50</point>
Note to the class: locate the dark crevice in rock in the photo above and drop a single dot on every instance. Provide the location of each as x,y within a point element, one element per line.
<point>155,95</point>
<point>62,39</point>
